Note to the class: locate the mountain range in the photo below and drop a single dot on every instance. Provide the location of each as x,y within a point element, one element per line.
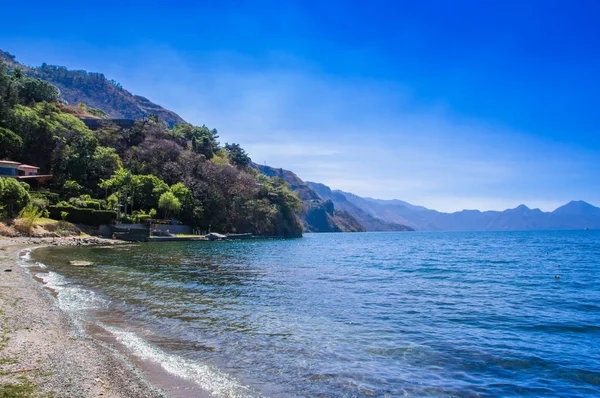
<point>325,210</point>
<point>573,215</point>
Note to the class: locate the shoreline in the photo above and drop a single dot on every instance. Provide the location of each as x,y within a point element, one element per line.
<point>42,352</point>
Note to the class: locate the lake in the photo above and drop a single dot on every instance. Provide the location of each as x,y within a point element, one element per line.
<point>366,314</point>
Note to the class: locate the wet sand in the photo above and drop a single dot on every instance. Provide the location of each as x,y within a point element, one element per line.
<point>41,351</point>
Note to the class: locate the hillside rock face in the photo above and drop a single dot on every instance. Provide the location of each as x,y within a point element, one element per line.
<point>370,222</point>
<point>319,215</point>
<point>96,91</point>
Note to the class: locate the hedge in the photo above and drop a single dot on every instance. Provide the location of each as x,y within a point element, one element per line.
<point>83,216</point>
<point>51,197</point>
<point>91,204</point>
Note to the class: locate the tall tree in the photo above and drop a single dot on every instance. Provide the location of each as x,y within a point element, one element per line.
<point>169,204</point>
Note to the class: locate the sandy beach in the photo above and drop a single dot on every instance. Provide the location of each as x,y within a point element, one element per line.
<point>41,352</point>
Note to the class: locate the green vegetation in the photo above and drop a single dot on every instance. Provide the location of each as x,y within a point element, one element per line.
<point>100,95</point>
<point>28,217</point>
<point>23,390</point>
<point>169,204</point>
<point>130,173</point>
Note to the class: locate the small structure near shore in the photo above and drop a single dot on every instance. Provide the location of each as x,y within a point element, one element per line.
<point>158,227</point>
<point>216,236</point>
<point>22,172</point>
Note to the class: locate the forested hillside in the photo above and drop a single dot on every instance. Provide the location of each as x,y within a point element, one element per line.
<point>319,213</point>
<point>96,91</point>
<point>148,169</point>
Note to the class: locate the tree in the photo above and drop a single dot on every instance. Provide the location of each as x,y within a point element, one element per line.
<point>147,191</point>
<point>9,95</point>
<point>17,73</point>
<point>71,188</point>
<point>169,204</point>
<point>204,140</point>
<point>237,155</point>
<point>10,144</point>
<point>48,135</point>
<point>79,157</point>
<point>13,195</point>
<point>122,183</point>
<point>186,198</point>
<point>103,163</point>
<point>33,90</point>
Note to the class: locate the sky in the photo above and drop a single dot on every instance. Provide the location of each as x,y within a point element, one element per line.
<point>451,105</point>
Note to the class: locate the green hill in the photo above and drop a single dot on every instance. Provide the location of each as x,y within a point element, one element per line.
<point>133,171</point>
<point>96,91</point>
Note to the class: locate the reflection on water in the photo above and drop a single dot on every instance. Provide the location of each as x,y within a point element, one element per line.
<point>353,314</point>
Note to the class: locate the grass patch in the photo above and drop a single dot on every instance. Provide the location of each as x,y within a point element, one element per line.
<point>4,330</point>
<point>10,390</point>
<point>8,361</point>
<point>46,221</point>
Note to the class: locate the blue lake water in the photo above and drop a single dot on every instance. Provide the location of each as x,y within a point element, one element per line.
<point>372,314</point>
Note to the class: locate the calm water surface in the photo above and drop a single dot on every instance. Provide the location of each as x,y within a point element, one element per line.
<point>375,314</point>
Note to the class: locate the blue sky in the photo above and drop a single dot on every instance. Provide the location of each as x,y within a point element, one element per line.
<point>451,105</point>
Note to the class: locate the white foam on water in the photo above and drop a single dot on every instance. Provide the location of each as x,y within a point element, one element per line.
<point>71,298</point>
<point>209,378</point>
<point>25,255</point>
<point>25,260</point>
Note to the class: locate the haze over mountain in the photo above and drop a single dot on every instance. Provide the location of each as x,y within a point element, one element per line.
<point>573,215</point>
<point>319,214</point>
<point>367,219</point>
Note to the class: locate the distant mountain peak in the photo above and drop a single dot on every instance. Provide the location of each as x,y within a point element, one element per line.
<point>576,214</point>
<point>577,207</point>
<point>579,202</point>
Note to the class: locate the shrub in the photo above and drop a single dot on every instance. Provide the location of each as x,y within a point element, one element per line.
<point>139,216</point>
<point>96,112</point>
<point>87,202</point>
<point>50,197</point>
<point>27,218</point>
<point>82,216</point>
<point>39,202</point>
<point>13,196</point>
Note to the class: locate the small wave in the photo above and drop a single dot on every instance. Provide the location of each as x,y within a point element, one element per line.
<point>72,298</point>
<point>25,255</point>
<point>209,378</point>
<point>32,264</point>
<point>26,261</point>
